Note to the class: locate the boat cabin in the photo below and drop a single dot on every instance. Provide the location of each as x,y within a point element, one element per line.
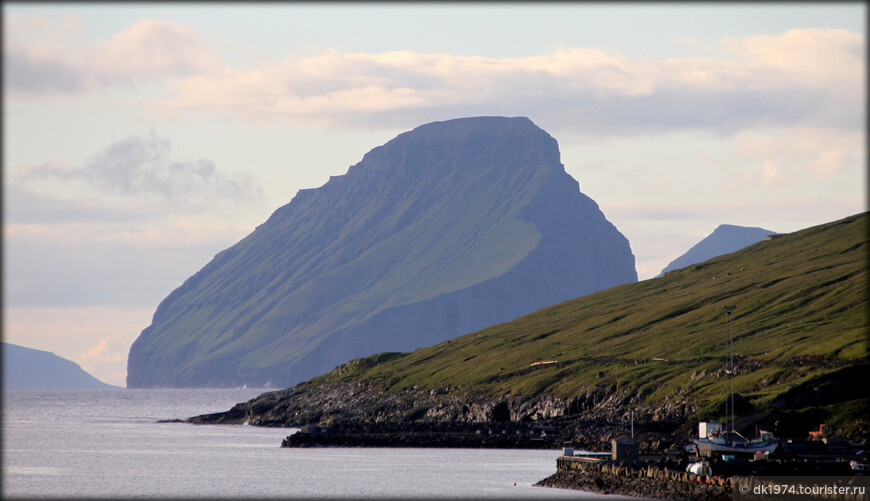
<point>707,429</point>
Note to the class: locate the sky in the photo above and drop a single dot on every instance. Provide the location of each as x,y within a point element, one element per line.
<point>140,139</point>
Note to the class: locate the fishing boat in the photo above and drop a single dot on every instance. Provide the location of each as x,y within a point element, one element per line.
<point>712,439</point>
<point>711,436</point>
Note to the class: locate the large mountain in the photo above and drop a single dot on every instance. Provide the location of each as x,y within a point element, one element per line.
<point>725,239</point>
<point>29,369</point>
<point>443,230</point>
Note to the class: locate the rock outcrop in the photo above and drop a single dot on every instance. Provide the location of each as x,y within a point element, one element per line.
<point>446,229</point>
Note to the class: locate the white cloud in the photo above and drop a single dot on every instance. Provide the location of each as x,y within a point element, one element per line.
<point>800,77</point>
<point>104,351</point>
<point>828,163</point>
<point>39,63</point>
<point>768,80</point>
<point>151,47</point>
<point>821,57</point>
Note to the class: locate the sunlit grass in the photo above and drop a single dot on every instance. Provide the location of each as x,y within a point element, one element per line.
<point>798,295</point>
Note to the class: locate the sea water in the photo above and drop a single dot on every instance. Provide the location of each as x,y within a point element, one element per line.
<point>108,443</point>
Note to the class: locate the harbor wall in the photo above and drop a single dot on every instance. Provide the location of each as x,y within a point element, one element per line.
<point>643,479</point>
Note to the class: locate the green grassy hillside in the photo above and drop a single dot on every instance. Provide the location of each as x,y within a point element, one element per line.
<point>801,313</point>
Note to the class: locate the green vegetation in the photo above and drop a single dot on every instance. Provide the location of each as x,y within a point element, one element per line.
<point>801,312</point>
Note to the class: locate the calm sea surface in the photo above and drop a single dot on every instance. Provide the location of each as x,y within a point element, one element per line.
<point>107,443</point>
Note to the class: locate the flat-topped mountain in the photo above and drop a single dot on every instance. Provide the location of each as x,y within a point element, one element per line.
<point>29,369</point>
<point>446,229</point>
<point>725,239</point>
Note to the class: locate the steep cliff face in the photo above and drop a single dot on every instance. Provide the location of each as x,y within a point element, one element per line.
<point>725,239</point>
<point>444,230</point>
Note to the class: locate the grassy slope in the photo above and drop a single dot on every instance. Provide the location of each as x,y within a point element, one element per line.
<point>797,296</point>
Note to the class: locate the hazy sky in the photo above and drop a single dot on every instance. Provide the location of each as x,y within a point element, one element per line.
<point>142,139</point>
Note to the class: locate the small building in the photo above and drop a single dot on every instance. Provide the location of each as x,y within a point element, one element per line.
<point>625,449</point>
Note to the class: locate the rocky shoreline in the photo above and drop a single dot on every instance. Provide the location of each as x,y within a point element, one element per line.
<point>374,414</point>
<point>461,440</point>
<point>356,414</point>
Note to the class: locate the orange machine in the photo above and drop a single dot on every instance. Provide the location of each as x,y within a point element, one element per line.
<point>823,431</point>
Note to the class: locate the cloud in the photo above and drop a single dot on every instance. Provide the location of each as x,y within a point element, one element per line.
<point>142,166</point>
<point>101,352</point>
<point>801,76</point>
<point>104,360</point>
<point>815,56</point>
<point>39,63</point>
<point>788,154</point>
<point>828,163</point>
<point>152,47</point>
<point>123,227</point>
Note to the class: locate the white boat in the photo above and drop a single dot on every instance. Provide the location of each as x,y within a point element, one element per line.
<point>731,442</point>
<point>711,437</point>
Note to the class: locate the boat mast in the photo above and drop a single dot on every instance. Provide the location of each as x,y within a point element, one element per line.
<point>730,368</point>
